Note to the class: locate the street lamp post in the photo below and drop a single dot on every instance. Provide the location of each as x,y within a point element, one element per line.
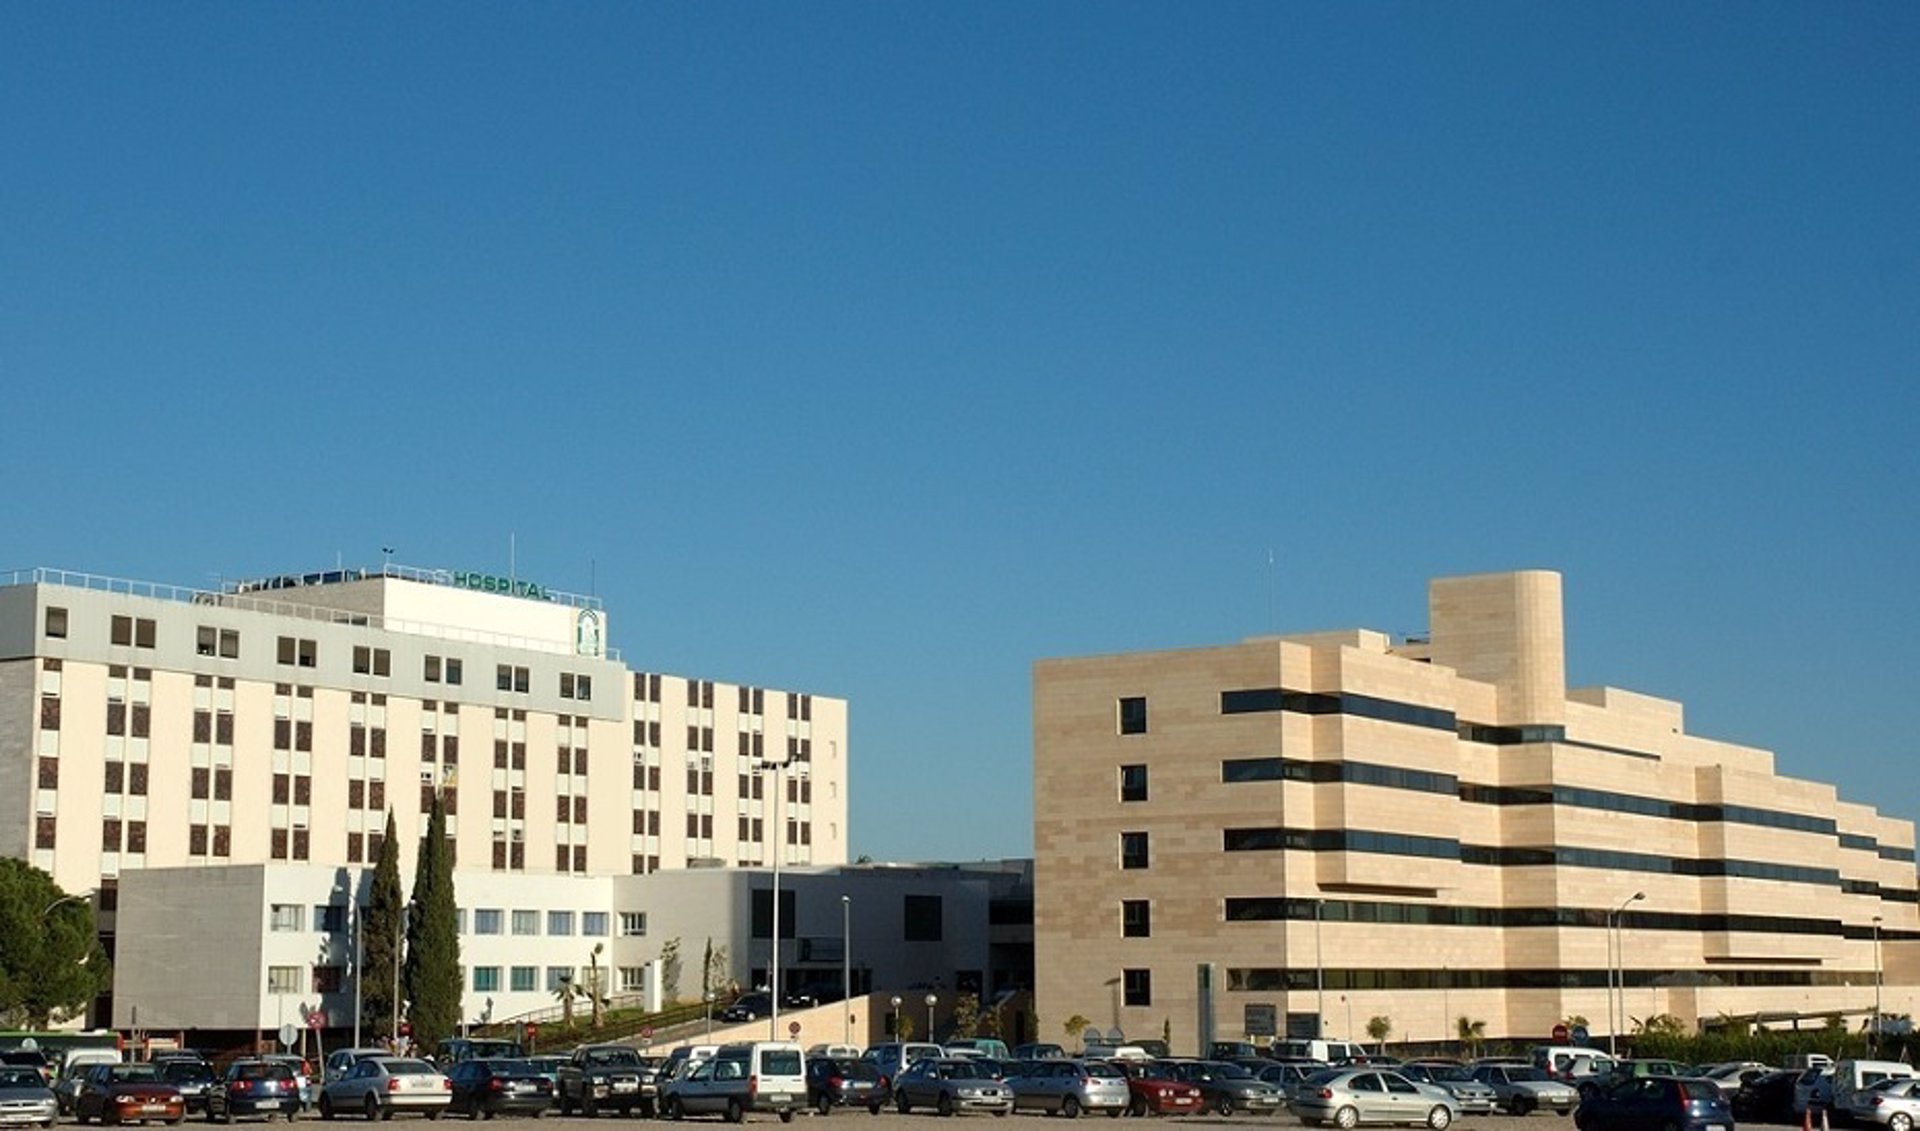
<point>896,1017</point>
<point>779,850</point>
<point>1319,977</point>
<point>932,1000</point>
<point>709,997</point>
<point>846,968</point>
<point>1873,1034</point>
<point>1617,968</point>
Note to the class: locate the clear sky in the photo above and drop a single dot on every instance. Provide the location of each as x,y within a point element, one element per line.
<point>880,349</point>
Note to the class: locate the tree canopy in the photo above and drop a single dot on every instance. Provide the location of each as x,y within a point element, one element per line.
<point>51,963</point>
<point>381,922</point>
<point>433,938</point>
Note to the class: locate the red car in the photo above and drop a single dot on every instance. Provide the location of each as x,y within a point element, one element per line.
<point>1154,1093</point>
<point>128,1093</point>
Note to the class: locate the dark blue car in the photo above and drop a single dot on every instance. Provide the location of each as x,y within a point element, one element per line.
<point>1655,1103</point>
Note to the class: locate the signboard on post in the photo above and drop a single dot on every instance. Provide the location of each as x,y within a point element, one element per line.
<point>288,1035</point>
<point>317,1019</point>
<point>1561,1034</point>
<point>793,1028</point>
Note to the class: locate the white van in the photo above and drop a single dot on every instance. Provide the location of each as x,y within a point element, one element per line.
<point>1851,1077</point>
<point>1326,1052</point>
<point>1100,1050</point>
<point>742,1077</point>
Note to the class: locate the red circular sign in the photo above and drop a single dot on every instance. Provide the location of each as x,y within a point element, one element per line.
<point>793,1028</point>
<point>532,1029</point>
<point>646,1030</point>
<point>1560,1033</point>
<point>317,1020</point>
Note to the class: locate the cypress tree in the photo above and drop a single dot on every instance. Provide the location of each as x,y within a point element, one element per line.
<point>433,939</point>
<point>380,927</point>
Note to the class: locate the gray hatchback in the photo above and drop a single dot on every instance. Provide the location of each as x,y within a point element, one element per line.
<point>1349,1097</point>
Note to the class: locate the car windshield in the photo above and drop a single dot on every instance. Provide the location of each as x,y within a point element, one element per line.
<point>1103,1070</point>
<point>511,1067</point>
<point>625,1058</point>
<point>1526,1075</point>
<point>962,1070</point>
<point>20,1078</point>
<point>187,1072</point>
<point>261,1070</point>
<point>409,1068</point>
<point>1450,1073</point>
<point>1228,1070</point>
<point>135,1074</point>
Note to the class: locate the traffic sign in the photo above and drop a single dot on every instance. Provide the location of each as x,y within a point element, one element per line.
<point>1580,1035</point>
<point>646,1031</point>
<point>406,1028</point>
<point>532,1030</point>
<point>1560,1034</point>
<point>288,1034</point>
<point>317,1019</point>
<point>793,1028</point>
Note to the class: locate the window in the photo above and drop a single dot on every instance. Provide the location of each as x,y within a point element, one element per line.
<point>1133,783</point>
<point>507,677</point>
<point>56,622</point>
<point>285,980</point>
<point>558,976</point>
<point>1133,715</point>
<point>526,922</point>
<point>297,652</point>
<point>329,979</point>
<point>486,979</point>
<point>453,671</point>
<point>525,978</point>
<point>330,917</point>
<point>432,675</point>
<point>122,630</point>
<point>633,979</point>
<point>1133,850</point>
<point>1136,919</point>
<point>923,918</point>
<point>486,920</point>
<point>633,924</point>
<point>559,922</point>
<point>1136,987</point>
<point>593,923</point>
<point>288,916</point>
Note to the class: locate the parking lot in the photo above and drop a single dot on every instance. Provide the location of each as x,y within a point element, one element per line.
<point>860,1120</point>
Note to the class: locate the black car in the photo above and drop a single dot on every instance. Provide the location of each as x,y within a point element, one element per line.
<point>1655,1103</point>
<point>265,1088</point>
<point>492,1087</point>
<point>748,1007</point>
<point>835,1083</point>
<point>193,1078</point>
<point>1767,1098</point>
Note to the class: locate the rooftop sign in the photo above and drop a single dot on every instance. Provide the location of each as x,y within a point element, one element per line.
<point>494,583</point>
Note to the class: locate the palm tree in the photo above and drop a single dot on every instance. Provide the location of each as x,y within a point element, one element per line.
<point>567,990</point>
<point>1471,1032</point>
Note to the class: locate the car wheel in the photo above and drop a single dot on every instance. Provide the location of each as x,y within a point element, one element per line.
<point>900,1101</point>
<point>873,1109</point>
<point>326,1109</point>
<point>1115,1112</point>
<point>1563,1112</point>
<point>736,1113</point>
<point>1224,1106</point>
<point>1346,1118</point>
<point>786,1116</point>
<point>1439,1119</point>
<point>1520,1105</point>
<point>1899,1121</point>
<point>673,1108</point>
<point>434,1113</point>
<point>373,1109</point>
<point>1070,1107</point>
<point>824,1105</point>
<point>588,1109</point>
<point>945,1106</point>
<point>1137,1107</point>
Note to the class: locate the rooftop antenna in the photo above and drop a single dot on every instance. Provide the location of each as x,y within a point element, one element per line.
<point>592,566</point>
<point>1272,624</point>
<point>386,559</point>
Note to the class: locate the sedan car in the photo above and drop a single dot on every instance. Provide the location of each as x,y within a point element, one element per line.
<point>1070,1087</point>
<point>264,1088</point>
<point>842,1082</point>
<point>1150,1091</point>
<point>1893,1104</point>
<point>948,1086</point>
<point>1522,1089</point>
<point>127,1093</point>
<point>378,1086</point>
<point>1655,1103</point>
<point>1226,1088</point>
<point>25,1097</point>
<point>1348,1097</point>
<point>1768,1099</point>
<point>193,1078</point>
<point>1472,1096</point>
<point>489,1087</point>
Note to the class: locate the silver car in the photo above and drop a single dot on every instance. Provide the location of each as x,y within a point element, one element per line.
<point>1893,1104</point>
<point>378,1086</point>
<point>25,1097</point>
<point>1069,1087</point>
<point>1523,1089</point>
<point>1474,1097</point>
<point>1348,1097</point>
<point>948,1086</point>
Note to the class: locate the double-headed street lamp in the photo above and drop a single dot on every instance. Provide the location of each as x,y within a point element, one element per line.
<point>1873,1034</point>
<point>1617,968</point>
<point>779,850</point>
<point>896,1017</point>
<point>846,968</point>
<point>932,1000</point>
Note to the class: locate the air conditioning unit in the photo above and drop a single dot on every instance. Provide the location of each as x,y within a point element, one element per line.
<point>519,835</point>
<point>426,777</point>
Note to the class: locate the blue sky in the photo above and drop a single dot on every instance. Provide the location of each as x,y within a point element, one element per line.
<point>881,349</point>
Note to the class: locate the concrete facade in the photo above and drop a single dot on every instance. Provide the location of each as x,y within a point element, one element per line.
<point>1304,832</point>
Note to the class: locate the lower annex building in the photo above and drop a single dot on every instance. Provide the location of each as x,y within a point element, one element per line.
<point>1295,834</point>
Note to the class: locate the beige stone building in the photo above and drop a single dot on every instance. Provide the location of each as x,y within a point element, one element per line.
<point>146,725</point>
<point>1304,832</point>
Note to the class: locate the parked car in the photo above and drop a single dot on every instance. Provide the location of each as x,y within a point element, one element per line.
<point>1893,1104</point>
<point>1655,1103</point>
<point>29,1058</point>
<point>486,1087</point>
<point>1851,1077</point>
<point>894,1057</point>
<point>379,1086</point>
<point>749,1007</point>
<point>844,1082</point>
<point>127,1093</point>
<point>1766,1099</point>
<point>1069,1087</point>
<point>1348,1097</point>
<point>193,1078</point>
<point>1039,1052</point>
<point>25,1097</point>
<point>1285,1074</point>
<point>608,1077</point>
<point>453,1050</point>
<point>1150,1091</point>
<point>341,1061</point>
<point>1813,1091</point>
<point>1520,1089</point>
<point>949,1086</point>
<point>1473,1097</point>
<point>254,1087</point>
<point>983,1046</point>
<point>742,1077</point>
<point>1226,1088</point>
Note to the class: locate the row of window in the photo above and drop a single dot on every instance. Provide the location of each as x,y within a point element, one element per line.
<point>332,918</point>
<point>1262,909</point>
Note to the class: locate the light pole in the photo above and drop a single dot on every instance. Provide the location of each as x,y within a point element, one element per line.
<point>1873,1034</point>
<point>1617,968</point>
<point>896,1017</point>
<point>932,1000</point>
<point>709,996</point>
<point>779,850</point>
<point>846,968</point>
<point>1319,977</point>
